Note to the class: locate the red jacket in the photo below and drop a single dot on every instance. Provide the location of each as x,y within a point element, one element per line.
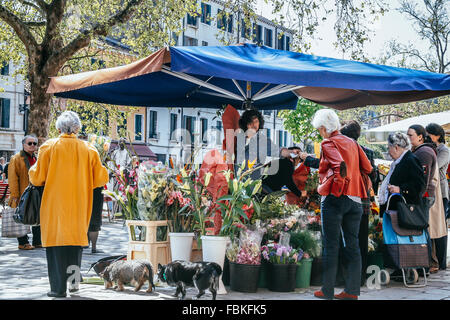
<point>300,176</point>
<point>340,154</point>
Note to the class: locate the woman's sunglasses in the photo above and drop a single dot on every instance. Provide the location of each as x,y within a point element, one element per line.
<point>32,143</point>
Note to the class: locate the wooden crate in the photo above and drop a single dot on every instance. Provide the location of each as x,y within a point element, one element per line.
<point>149,249</point>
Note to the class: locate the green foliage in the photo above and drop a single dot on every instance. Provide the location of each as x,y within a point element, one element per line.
<point>298,121</point>
<point>306,241</point>
<point>95,118</point>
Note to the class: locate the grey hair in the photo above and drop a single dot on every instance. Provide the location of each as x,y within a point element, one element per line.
<point>68,122</point>
<point>27,137</point>
<point>326,118</point>
<point>398,139</point>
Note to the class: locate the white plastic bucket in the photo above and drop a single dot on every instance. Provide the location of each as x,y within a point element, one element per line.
<point>181,245</point>
<point>214,249</point>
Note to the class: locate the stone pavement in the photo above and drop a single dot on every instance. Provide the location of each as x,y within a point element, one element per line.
<point>23,275</point>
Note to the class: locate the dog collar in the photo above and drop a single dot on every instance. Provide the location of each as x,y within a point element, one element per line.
<point>164,276</point>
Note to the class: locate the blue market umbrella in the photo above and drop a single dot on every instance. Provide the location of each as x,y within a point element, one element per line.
<point>248,75</point>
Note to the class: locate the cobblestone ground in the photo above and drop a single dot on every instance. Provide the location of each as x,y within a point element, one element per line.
<point>23,275</point>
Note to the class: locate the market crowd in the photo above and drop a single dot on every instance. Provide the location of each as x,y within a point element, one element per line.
<point>73,176</point>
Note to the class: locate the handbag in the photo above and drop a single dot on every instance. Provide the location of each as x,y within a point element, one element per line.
<point>411,216</point>
<point>28,210</point>
<point>10,228</point>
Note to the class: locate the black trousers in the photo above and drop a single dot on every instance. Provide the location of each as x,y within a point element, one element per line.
<point>58,261</point>
<point>36,237</point>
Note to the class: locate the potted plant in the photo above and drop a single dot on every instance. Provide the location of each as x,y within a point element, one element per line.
<point>195,204</point>
<point>241,190</point>
<point>282,266</point>
<point>245,260</point>
<point>304,240</point>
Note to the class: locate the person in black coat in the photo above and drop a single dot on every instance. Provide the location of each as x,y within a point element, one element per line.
<point>283,177</point>
<point>405,175</point>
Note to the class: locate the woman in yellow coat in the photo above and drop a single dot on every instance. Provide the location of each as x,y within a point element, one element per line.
<point>70,169</point>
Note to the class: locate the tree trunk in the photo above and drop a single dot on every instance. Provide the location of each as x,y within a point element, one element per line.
<point>39,116</point>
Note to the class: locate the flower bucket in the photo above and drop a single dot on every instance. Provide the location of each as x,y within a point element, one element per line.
<point>375,258</point>
<point>316,272</point>
<point>214,248</point>
<point>226,272</point>
<point>181,245</point>
<point>281,277</point>
<point>244,277</point>
<point>303,276</point>
<point>263,274</point>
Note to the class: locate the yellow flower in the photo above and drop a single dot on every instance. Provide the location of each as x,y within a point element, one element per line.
<point>257,187</point>
<point>235,184</point>
<point>251,164</point>
<point>207,178</point>
<point>106,146</point>
<point>183,173</point>
<point>227,175</point>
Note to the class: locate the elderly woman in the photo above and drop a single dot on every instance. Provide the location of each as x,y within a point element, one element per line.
<point>342,188</point>
<point>405,175</point>
<point>70,169</point>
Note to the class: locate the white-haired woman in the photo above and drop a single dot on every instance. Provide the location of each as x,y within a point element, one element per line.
<point>342,188</point>
<point>70,169</point>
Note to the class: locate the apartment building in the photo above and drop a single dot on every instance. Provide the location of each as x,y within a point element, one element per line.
<point>12,97</point>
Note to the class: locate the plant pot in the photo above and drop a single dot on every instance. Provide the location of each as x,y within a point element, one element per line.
<point>226,272</point>
<point>303,276</point>
<point>282,277</point>
<point>263,274</point>
<point>375,258</point>
<point>181,245</point>
<point>244,277</point>
<point>214,248</point>
<point>316,272</point>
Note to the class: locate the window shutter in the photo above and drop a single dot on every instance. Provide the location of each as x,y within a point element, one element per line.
<point>5,112</point>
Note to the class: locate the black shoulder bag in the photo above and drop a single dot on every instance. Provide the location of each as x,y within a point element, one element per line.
<point>28,210</point>
<point>411,216</point>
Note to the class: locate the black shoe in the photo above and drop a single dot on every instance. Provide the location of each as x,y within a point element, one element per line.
<point>56,294</point>
<point>97,251</point>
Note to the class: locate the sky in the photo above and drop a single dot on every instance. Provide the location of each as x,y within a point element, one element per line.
<point>392,25</point>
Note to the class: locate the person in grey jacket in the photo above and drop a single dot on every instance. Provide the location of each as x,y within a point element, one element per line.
<point>437,135</point>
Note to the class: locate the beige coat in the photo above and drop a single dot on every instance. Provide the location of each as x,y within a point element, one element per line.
<point>438,224</point>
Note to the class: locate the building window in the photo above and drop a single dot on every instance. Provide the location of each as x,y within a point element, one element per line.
<point>189,125</point>
<point>281,41</point>
<point>121,129</point>
<point>245,30</point>
<point>152,125</point>
<point>288,43</point>
<point>5,105</point>
<point>258,33</point>
<point>204,43</point>
<point>204,129</point>
<point>192,21</point>
<point>138,127</point>
<point>175,38</point>
<point>224,23</point>
<point>173,125</point>
<point>188,41</point>
<point>280,138</point>
<point>269,133</point>
<point>4,70</point>
<point>268,37</point>
<point>285,139</point>
<point>206,13</point>
<point>219,132</point>
<point>161,157</point>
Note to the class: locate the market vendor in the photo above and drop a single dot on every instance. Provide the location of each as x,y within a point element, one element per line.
<point>300,175</point>
<point>250,145</point>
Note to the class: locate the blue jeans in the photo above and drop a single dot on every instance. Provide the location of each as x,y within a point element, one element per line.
<point>341,215</point>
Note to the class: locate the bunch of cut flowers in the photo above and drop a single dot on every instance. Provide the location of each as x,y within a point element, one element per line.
<point>102,144</point>
<point>279,254</point>
<point>276,226</point>
<point>248,249</point>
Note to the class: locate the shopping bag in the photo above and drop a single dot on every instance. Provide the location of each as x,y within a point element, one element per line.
<point>10,228</point>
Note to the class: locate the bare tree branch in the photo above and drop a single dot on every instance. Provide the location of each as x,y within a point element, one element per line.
<point>22,31</point>
<point>58,58</point>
